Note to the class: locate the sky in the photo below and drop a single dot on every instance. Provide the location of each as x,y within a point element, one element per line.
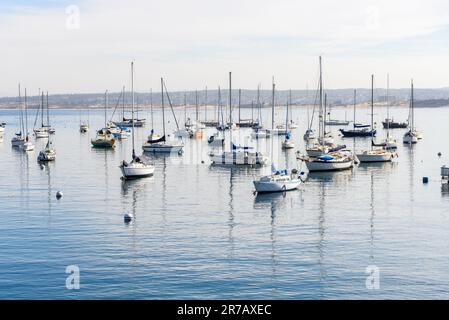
<point>86,46</point>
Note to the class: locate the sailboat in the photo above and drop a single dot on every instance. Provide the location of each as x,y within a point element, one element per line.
<point>278,181</point>
<point>359,130</point>
<point>119,132</point>
<point>309,135</point>
<point>188,130</point>
<point>27,145</point>
<point>258,131</point>
<point>136,168</point>
<point>199,126</point>
<point>291,124</point>
<point>161,145</point>
<point>375,155</point>
<point>237,155</point>
<point>327,161</point>
<point>218,140</point>
<point>41,132</point>
<point>19,138</point>
<point>84,125</point>
<point>389,143</point>
<point>49,128</point>
<point>411,136</point>
<point>48,154</point>
<point>335,122</point>
<point>287,143</point>
<point>104,137</point>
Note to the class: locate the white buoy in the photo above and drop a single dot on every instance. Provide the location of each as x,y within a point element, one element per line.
<point>128,217</point>
<point>59,195</point>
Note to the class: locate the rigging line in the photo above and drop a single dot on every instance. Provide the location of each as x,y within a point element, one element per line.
<point>171,106</point>
<point>116,105</point>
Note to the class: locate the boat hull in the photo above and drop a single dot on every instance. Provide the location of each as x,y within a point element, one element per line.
<point>133,172</point>
<point>238,159</point>
<point>314,166</point>
<point>273,186</point>
<point>103,144</point>
<point>162,148</point>
<point>382,157</point>
<point>358,133</point>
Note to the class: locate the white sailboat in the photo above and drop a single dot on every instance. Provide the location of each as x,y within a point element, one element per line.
<point>217,139</point>
<point>258,131</point>
<point>84,125</point>
<point>278,181</point>
<point>237,155</point>
<point>375,155</point>
<point>389,143</point>
<point>27,145</point>
<point>42,131</point>
<point>19,138</point>
<point>137,168</point>
<point>288,142</point>
<point>411,136</point>
<point>161,145</point>
<point>104,137</point>
<point>48,153</point>
<point>338,160</point>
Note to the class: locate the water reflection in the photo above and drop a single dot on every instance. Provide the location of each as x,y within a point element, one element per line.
<point>331,176</point>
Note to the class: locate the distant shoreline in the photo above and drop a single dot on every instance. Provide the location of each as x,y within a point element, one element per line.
<point>418,104</point>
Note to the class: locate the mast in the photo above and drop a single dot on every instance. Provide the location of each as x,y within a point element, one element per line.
<point>259,112</point>
<point>325,114</point>
<point>105,107</point>
<point>320,129</point>
<point>286,121</point>
<point>290,104</point>
<point>22,126</point>
<point>132,106</point>
<point>240,97</point>
<point>123,104</point>
<point>355,102</point>
<point>48,113</point>
<point>42,109</point>
<point>205,106</point>
<point>185,108</point>
<point>196,106</point>
<point>412,104</point>
<point>230,99</point>
<point>163,111</point>
<point>26,116</point>
<point>272,105</point>
<point>372,110</point>
<point>220,109</point>
<point>388,107</point>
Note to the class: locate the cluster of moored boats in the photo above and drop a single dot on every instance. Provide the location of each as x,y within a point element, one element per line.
<point>321,152</point>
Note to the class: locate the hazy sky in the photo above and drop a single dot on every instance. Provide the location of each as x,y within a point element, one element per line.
<point>87,45</point>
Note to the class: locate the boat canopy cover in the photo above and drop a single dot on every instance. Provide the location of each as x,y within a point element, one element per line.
<point>278,172</point>
<point>161,139</point>
<point>326,157</point>
<point>337,148</point>
<point>359,125</point>
<point>104,131</point>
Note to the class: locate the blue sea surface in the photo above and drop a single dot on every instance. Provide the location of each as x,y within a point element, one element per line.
<point>201,233</point>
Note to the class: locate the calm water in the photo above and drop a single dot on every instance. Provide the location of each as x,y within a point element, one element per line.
<point>201,233</point>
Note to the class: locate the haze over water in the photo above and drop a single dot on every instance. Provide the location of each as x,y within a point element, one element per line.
<point>200,232</point>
